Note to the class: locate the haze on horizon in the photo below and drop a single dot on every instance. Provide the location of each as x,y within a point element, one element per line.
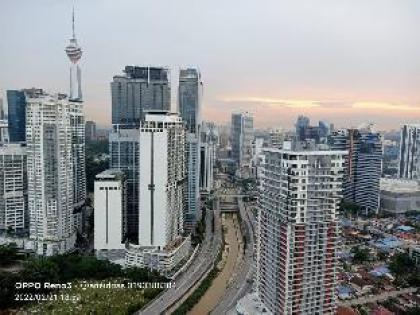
<point>347,61</point>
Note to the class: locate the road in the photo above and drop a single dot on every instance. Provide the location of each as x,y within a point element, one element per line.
<point>241,284</point>
<point>199,266</point>
<point>376,298</point>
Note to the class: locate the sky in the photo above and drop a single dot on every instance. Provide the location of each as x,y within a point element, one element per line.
<point>344,61</point>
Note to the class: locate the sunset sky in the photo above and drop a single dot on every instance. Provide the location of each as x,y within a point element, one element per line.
<point>344,61</point>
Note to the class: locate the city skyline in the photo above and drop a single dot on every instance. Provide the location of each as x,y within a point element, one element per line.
<point>357,65</point>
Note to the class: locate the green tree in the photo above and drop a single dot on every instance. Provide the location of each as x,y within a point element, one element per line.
<point>8,254</point>
<point>361,255</point>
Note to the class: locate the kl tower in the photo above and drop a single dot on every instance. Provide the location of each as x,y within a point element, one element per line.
<point>74,52</point>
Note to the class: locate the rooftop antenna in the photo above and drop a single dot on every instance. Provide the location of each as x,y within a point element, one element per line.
<point>74,36</point>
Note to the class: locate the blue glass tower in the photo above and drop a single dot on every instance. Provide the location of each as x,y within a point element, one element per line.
<point>16,115</point>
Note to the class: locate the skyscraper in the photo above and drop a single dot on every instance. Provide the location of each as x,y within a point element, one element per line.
<point>363,166</point>
<point>242,133</point>
<point>302,125</point>
<point>138,90</point>
<point>124,148</point>
<point>189,103</point>
<point>90,131</point>
<point>110,207</point>
<point>409,158</point>
<point>16,115</point>
<point>4,125</point>
<point>13,189</point>
<point>51,174</point>
<point>162,179</point>
<point>189,98</point>
<point>74,52</point>
<point>208,146</point>
<point>298,230</point>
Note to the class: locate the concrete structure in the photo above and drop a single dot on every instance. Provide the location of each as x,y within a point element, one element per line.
<point>258,157</point>
<point>4,131</point>
<point>74,52</point>
<point>124,149</point>
<point>192,191</point>
<point>13,190</point>
<point>163,260</point>
<point>409,157</point>
<point>190,92</point>
<point>251,304</point>
<point>90,131</point>
<point>138,90</point>
<point>208,148</point>
<point>298,232</point>
<point>54,128</point>
<point>399,196</point>
<point>242,135</point>
<point>363,165</point>
<point>110,214</point>
<point>162,179</point>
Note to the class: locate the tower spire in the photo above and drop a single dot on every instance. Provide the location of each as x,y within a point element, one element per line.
<point>74,36</point>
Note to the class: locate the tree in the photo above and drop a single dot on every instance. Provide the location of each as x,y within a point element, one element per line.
<point>40,270</point>
<point>8,254</point>
<point>401,263</point>
<point>361,255</point>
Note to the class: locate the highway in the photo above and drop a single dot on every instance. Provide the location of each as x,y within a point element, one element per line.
<point>199,266</point>
<point>241,284</point>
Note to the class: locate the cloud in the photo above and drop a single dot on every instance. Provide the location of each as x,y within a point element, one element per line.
<point>386,106</point>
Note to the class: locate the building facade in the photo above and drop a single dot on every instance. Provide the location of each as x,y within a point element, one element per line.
<point>162,179</point>
<point>399,195</point>
<point>90,131</point>
<point>189,102</point>
<point>138,90</point>
<point>298,230</point>
<point>16,101</point>
<point>363,166</point>
<point>13,190</point>
<point>208,148</point>
<point>242,133</point>
<point>409,157</point>
<point>110,214</point>
<point>51,160</point>
<point>124,146</point>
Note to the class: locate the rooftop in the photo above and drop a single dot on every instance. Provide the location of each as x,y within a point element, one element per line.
<point>399,185</point>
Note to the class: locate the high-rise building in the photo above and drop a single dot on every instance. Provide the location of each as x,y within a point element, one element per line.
<point>192,191</point>
<point>90,130</point>
<point>13,189</point>
<point>297,229</point>
<point>363,165</point>
<point>74,52</point>
<point>409,158</point>
<point>302,125</point>
<point>242,134</point>
<point>208,147</point>
<point>16,115</point>
<point>189,98</point>
<point>162,179</point>
<point>4,125</point>
<point>124,147</point>
<point>52,156</point>
<point>138,90</point>
<point>189,103</point>
<point>162,170</point>
<point>110,208</point>
<point>77,122</point>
